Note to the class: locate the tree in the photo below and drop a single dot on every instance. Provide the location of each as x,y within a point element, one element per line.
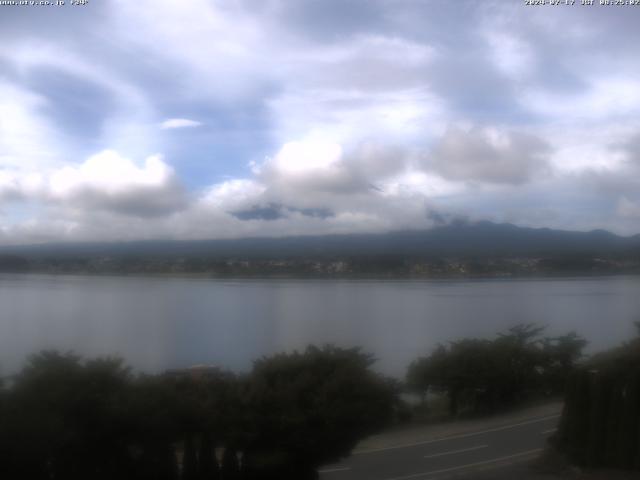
<point>207,465</point>
<point>427,373</point>
<point>230,466</point>
<point>310,408</point>
<point>190,461</point>
<point>561,355</point>
<point>599,424</point>
<point>152,413</point>
<point>66,418</point>
<point>483,375</point>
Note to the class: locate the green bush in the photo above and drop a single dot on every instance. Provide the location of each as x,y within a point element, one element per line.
<point>485,375</point>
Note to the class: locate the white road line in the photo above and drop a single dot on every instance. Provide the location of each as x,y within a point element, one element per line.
<point>332,470</point>
<point>469,465</point>
<point>455,437</point>
<point>548,431</point>
<point>453,452</point>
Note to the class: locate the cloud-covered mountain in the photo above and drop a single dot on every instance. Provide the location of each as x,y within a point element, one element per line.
<point>463,239</point>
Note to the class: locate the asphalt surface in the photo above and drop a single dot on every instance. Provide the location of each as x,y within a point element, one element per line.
<point>452,456</point>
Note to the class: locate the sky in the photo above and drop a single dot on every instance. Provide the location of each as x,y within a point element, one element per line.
<point>160,119</point>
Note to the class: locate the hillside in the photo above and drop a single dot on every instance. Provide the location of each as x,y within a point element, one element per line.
<point>475,239</point>
<point>475,248</point>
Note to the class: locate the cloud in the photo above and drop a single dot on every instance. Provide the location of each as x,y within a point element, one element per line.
<point>628,209</point>
<point>274,211</point>
<point>17,185</point>
<point>172,123</point>
<point>489,155</point>
<point>606,97</point>
<point>511,54</point>
<point>26,140</point>
<point>311,165</point>
<point>270,212</point>
<point>619,171</point>
<point>631,150</point>
<point>106,181</point>
<point>322,117</point>
<point>312,169</point>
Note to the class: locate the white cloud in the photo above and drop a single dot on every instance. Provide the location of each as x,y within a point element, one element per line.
<point>606,97</point>
<point>415,183</point>
<point>220,50</point>
<point>489,155</point>
<point>17,185</point>
<point>356,112</point>
<point>311,168</point>
<point>126,128</point>
<point>179,123</point>
<point>26,140</point>
<point>109,172</point>
<point>232,195</point>
<point>511,54</point>
<point>105,181</point>
<point>352,116</point>
<point>108,181</point>
<point>627,208</point>
<point>306,165</point>
<point>302,158</point>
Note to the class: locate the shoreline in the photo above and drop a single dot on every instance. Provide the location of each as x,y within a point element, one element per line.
<point>328,277</point>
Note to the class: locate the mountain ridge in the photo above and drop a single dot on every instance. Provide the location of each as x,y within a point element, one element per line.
<point>482,238</point>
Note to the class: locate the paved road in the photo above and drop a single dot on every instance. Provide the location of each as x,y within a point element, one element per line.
<point>450,456</point>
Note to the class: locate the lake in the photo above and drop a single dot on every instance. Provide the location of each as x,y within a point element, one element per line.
<point>161,323</point>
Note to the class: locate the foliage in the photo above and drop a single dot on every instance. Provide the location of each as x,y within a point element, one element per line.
<point>483,375</point>
<point>600,424</point>
<point>66,418</point>
<point>313,407</point>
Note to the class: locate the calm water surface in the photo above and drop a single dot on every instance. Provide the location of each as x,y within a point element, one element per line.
<point>159,323</point>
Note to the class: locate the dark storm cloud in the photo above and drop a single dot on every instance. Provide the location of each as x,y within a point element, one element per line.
<point>256,212</point>
<point>274,211</point>
<point>314,212</point>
